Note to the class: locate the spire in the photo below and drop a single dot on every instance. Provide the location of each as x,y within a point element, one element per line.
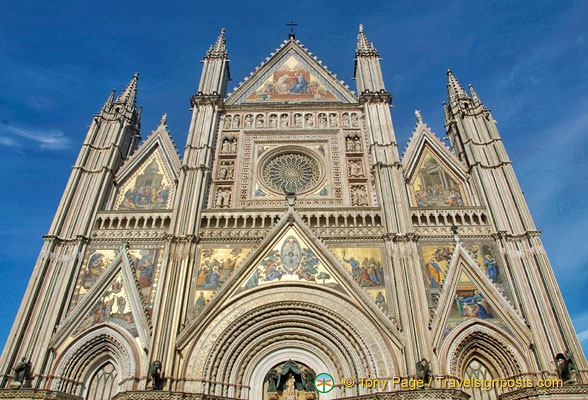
<point>364,48</point>
<point>129,95</point>
<point>454,89</point>
<point>475,97</point>
<point>109,101</point>
<point>447,114</point>
<point>219,49</point>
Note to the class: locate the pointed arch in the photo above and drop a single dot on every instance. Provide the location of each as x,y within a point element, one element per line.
<point>487,342</point>
<point>79,362</point>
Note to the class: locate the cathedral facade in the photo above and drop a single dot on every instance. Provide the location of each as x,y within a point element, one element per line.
<point>291,241</point>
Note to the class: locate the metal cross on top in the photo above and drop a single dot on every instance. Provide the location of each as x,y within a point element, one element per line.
<point>291,34</point>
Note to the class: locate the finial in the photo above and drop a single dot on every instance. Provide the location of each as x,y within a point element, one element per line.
<point>291,35</point>
<point>360,28</point>
<point>163,120</point>
<point>419,117</point>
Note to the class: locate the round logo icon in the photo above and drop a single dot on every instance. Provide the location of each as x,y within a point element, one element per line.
<point>324,383</point>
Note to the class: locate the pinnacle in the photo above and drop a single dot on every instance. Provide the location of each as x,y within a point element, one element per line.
<point>219,49</point>
<point>109,101</point>
<point>364,47</point>
<point>475,97</point>
<point>454,89</point>
<point>129,95</point>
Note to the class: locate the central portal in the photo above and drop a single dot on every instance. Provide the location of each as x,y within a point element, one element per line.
<point>289,381</point>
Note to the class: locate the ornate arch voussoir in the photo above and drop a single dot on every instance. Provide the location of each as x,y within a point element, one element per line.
<point>480,338</point>
<point>100,343</point>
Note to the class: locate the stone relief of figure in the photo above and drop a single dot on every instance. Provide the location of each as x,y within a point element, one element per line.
<point>355,169</point>
<point>228,122</point>
<point>155,375</point>
<point>234,145</point>
<point>356,143</point>
<point>226,145</point>
<point>309,120</point>
<point>223,197</point>
<point>248,121</point>
<point>23,373</point>
<point>333,123</point>
<point>236,121</point>
<point>230,169</point>
<point>284,121</point>
<point>346,120</point>
<point>348,143</point>
<point>273,121</point>
<point>298,120</point>
<point>358,196</point>
<point>222,170</point>
<point>322,121</point>
<point>354,120</point>
<point>259,121</point>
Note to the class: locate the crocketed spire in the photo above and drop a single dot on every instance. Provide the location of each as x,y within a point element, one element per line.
<point>219,49</point>
<point>128,96</point>
<point>454,89</point>
<point>364,48</point>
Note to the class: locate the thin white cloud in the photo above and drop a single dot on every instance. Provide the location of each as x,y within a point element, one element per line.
<point>583,336</point>
<point>8,142</point>
<point>47,139</point>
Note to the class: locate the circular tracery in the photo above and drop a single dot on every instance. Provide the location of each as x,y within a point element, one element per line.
<point>293,172</point>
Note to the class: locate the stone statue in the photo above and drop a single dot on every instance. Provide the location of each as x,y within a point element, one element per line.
<point>228,122</point>
<point>273,121</point>
<point>236,121</point>
<point>333,120</point>
<point>322,121</point>
<point>417,114</point>
<point>259,121</point>
<point>565,365</point>
<point>346,120</point>
<point>290,392</point>
<point>272,380</point>
<point>308,377</point>
<point>298,120</point>
<point>354,121</point>
<point>23,373</point>
<point>284,121</point>
<point>155,375</point>
<point>423,370</point>
<point>234,145</point>
<point>309,120</point>
<point>248,121</point>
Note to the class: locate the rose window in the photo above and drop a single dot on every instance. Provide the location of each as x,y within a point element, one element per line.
<point>291,172</point>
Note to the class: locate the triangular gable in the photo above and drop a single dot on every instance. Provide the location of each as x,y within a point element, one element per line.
<point>114,299</point>
<point>291,225</point>
<point>436,178</point>
<point>468,293</point>
<point>291,75</point>
<point>291,259</point>
<point>147,260</point>
<point>148,179</point>
<point>423,138</point>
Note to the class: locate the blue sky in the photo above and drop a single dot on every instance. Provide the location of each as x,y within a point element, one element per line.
<point>528,61</point>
